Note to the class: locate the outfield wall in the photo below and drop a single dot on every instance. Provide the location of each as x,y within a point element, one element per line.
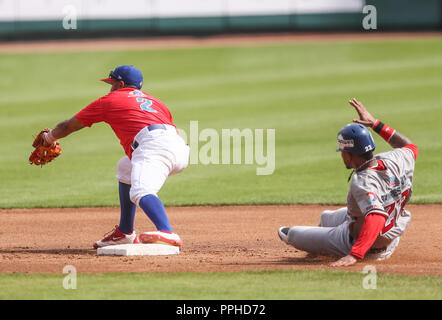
<point>34,19</point>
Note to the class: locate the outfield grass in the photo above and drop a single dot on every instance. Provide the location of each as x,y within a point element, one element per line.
<point>300,90</point>
<point>262,285</point>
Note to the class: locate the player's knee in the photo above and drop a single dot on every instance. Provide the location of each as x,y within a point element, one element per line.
<point>124,170</point>
<point>136,194</point>
<point>324,218</point>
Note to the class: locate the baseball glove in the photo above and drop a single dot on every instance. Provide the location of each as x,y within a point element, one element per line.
<point>44,154</point>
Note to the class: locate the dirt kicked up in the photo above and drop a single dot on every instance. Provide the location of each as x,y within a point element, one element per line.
<point>216,239</point>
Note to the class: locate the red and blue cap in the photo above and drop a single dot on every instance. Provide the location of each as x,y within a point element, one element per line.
<point>128,74</point>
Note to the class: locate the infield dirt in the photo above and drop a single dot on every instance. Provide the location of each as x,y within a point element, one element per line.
<point>216,239</point>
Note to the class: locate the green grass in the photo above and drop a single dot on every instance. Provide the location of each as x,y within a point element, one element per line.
<point>300,90</point>
<point>262,285</point>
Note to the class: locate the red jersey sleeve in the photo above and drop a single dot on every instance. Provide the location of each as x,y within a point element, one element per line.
<point>93,113</point>
<point>371,228</point>
<point>413,149</point>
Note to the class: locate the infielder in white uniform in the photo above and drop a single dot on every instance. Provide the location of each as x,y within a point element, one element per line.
<point>375,216</point>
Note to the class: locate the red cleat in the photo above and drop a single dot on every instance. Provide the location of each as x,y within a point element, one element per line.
<point>116,237</point>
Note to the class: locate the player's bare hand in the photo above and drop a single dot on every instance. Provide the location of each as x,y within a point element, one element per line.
<point>344,262</point>
<point>365,117</point>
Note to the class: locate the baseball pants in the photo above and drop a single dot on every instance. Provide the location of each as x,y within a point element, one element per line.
<point>330,237</point>
<point>159,153</point>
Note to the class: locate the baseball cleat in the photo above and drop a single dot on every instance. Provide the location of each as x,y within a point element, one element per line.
<point>116,237</point>
<point>283,233</point>
<point>161,237</point>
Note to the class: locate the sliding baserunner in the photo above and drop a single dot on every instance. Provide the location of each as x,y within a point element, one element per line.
<point>375,216</point>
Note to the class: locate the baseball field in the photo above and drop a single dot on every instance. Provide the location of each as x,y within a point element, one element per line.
<point>226,214</point>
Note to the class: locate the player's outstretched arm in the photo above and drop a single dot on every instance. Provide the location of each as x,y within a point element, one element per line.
<point>63,129</point>
<point>398,140</point>
<point>394,138</point>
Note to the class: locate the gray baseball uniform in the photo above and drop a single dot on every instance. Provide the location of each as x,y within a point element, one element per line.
<point>383,189</point>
